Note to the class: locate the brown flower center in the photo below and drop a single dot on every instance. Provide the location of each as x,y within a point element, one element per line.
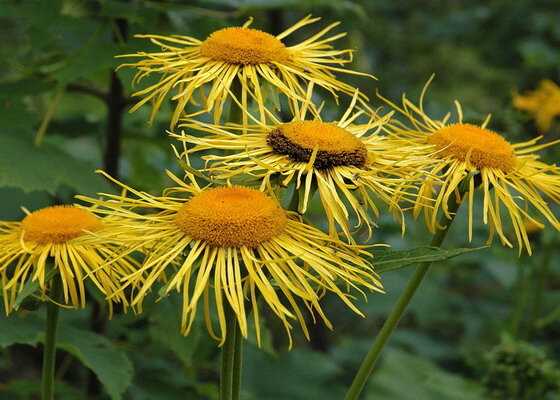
<point>335,146</point>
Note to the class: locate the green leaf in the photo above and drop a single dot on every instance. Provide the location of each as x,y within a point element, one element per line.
<point>401,371</point>
<point>549,319</point>
<point>165,327</point>
<point>24,87</point>
<point>110,364</point>
<point>12,198</point>
<point>97,56</point>
<point>30,288</point>
<point>16,116</point>
<point>26,389</point>
<point>18,330</point>
<point>25,166</point>
<point>300,374</point>
<point>389,260</point>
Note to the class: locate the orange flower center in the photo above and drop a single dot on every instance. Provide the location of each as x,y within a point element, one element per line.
<point>244,46</point>
<point>335,146</point>
<point>482,147</point>
<point>231,217</point>
<point>58,224</point>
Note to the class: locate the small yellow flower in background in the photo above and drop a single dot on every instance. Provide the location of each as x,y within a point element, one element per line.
<point>344,160</point>
<point>69,239</point>
<point>230,247</point>
<point>520,182</point>
<point>244,56</point>
<point>543,104</point>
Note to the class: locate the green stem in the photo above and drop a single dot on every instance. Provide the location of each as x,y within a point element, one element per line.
<point>540,286</point>
<point>237,365</point>
<point>230,378</point>
<point>232,350</point>
<point>368,364</point>
<point>235,111</point>
<point>294,201</point>
<point>49,350</point>
<point>40,135</point>
<point>521,291</point>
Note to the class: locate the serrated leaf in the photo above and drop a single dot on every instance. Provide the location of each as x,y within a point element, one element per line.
<point>27,167</point>
<point>389,260</point>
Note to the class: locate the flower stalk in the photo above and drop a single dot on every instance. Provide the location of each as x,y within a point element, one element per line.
<point>232,357</point>
<point>232,350</point>
<point>49,350</point>
<point>368,364</point>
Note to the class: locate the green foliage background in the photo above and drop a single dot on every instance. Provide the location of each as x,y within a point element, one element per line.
<point>56,77</point>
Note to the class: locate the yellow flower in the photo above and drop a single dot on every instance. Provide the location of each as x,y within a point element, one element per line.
<point>69,239</point>
<point>543,103</point>
<point>242,56</point>
<point>345,161</point>
<point>514,173</point>
<point>229,247</point>
<point>533,228</point>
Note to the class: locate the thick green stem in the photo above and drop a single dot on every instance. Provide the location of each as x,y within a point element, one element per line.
<point>41,132</point>
<point>49,349</point>
<point>232,355</point>
<point>521,291</point>
<point>235,111</point>
<point>232,350</point>
<point>368,364</point>
<point>540,287</point>
<point>237,365</point>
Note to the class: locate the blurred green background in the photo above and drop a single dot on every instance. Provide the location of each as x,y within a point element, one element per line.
<point>485,325</point>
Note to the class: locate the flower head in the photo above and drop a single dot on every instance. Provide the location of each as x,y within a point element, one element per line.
<point>520,182</point>
<point>229,246</point>
<point>543,103</point>
<point>335,146</point>
<point>72,241</point>
<point>244,46</point>
<point>344,161</point>
<point>244,57</point>
<point>231,217</point>
<point>482,147</point>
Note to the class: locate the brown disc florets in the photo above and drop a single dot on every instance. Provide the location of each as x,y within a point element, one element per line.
<point>335,146</point>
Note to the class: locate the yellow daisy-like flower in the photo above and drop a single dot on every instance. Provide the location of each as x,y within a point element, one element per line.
<point>244,56</point>
<point>543,103</point>
<point>226,247</point>
<point>345,161</point>
<point>514,173</point>
<point>69,239</point>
